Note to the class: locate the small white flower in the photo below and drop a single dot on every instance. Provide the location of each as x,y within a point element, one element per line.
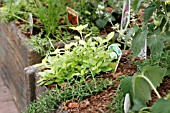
<point>100,6</point>
<point>99,12</point>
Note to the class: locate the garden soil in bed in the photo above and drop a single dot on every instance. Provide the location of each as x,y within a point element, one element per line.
<point>100,102</point>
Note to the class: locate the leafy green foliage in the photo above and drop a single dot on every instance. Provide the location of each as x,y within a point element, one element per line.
<point>140,85</point>
<point>141,88</point>
<point>162,60</point>
<point>51,100</point>
<point>139,40</point>
<point>40,45</point>
<point>117,102</point>
<point>78,59</point>
<point>161,106</point>
<point>154,73</point>
<point>138,104</point>
<point>126,86</point>
<point>148,13</point>
<point>136,4</point>
<point>12,10</point>
<point>155,32</point>
<point>156,44</point>
<point>49,15</point>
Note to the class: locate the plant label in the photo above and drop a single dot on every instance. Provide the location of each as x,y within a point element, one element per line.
<point>72,16</point>
<point>143,52</point>
<point>127,104</point>
<point>125,16</point>
<point>30,23</point>
<point>116,54</point>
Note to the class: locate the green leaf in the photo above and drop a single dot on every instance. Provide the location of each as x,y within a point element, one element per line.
<point>136,4</point>
<point>110,36</point>
<point>139,41</point>
<point>156,43</point>
<point>106,69</point>
<point>87,35</point>
<point>98,39</point>
<point>148,13</point>
<point>138,104</point>
<point>154,73</point>
<point>101,23</point>
<point>161,106</point>
<point>141,88</point>
<point>48,82</point>
<point>126,86</point>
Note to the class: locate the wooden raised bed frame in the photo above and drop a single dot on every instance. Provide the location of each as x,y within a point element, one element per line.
<point>14,57</point>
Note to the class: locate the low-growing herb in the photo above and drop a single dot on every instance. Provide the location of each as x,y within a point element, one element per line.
<point>51,100</point>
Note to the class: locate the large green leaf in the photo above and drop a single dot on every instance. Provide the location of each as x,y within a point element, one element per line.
<point>155,74</point>
<point>156,43</point>
<point>139,41</point>
<point>141,88</point>
<point>126,86</point>
<point>148,13</point>
<point>161,106</point>
<point>138,104</point>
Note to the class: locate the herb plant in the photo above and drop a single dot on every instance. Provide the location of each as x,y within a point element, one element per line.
<point>51,100</point>
<point>49,13</point>
<point>78,60</point>
<point>12,10</point>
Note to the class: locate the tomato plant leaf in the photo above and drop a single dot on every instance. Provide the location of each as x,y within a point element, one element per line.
<point>138,104</point>
<point>148,13</point>
<point>156,44</point>
<point>161,106</point>
<point>155,74</point>
<point>126,86</point>
<point>139,41</point>
<point>141,88</point>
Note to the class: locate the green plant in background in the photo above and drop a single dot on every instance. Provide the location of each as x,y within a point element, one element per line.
<point>40,45</point>
<point>78,60</point>
<point>94,13</point>
<point>49,13</point>
<point>51,100</point>
<point>156,32</point>
<point>14,10</point>
<point>162,60</point>
<point>140,85</point>
<point>117,102</point>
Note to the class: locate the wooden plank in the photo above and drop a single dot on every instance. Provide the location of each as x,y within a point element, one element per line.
<point>14,57</point>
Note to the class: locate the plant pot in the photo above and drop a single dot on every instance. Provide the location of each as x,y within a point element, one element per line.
<point>14,57</point>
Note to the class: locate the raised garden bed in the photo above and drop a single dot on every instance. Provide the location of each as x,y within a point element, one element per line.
<point>81,77</point>
<point>14,57</point>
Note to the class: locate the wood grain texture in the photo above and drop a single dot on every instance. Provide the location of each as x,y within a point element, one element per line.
<point>14,57</point>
